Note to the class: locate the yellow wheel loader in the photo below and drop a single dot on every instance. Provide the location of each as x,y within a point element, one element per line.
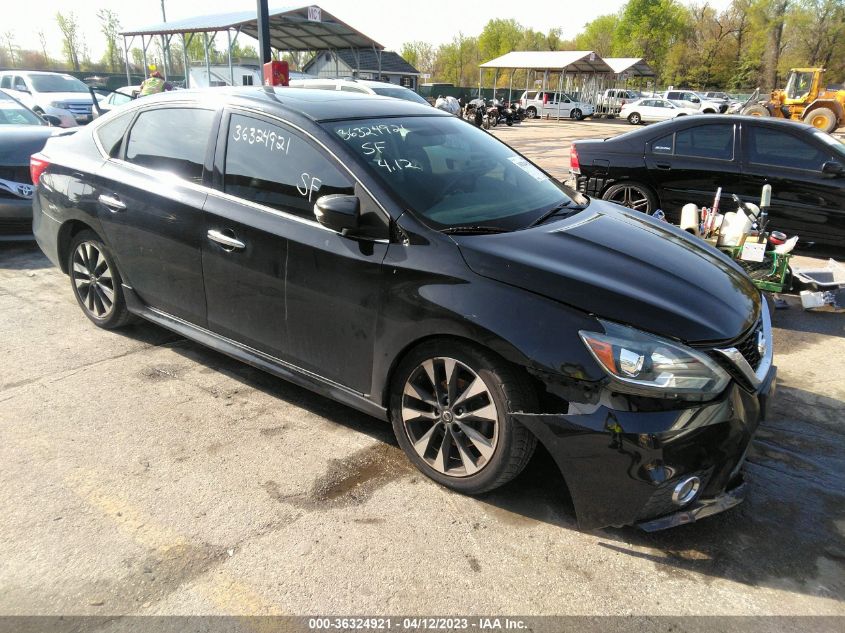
<point>805,98</point>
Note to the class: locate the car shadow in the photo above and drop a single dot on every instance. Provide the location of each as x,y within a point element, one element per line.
<point>784,535</point>
<point>796,319</point>
<point>22,255</point>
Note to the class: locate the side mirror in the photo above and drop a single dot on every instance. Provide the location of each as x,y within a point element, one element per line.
<point>833,169</point>
<point>338,212</point>
<point>52,120</point>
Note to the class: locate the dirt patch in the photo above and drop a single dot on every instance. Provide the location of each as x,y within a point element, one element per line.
<point>161,372</point>
<point>274,431</point>
<point>349,481</point>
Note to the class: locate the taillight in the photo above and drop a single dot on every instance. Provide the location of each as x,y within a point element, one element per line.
<point>574,165</point>
<point>37,164</point>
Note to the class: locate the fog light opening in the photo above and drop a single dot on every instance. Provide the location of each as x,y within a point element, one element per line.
<point>686,490</point>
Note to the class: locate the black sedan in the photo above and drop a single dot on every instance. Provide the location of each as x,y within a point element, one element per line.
<point>685,160</point>
<point>404,262</point>
<point>22,133</point>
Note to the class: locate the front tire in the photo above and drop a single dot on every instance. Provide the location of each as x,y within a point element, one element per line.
<point>449,405</point>
<point>823,119</point>
<point>531,113</point>
<point>756,110</point>
<point>634,118</point>
<point>577,115</point>
<point>96,282</point>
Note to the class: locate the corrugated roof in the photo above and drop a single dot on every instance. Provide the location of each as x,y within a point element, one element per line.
<point>290,29</point>
<point>368,61</point>
<point>634,66</point>
<point>569,61</point>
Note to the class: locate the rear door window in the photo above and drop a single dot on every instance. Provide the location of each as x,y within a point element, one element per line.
<point>706,141</point>
<point>111,134</point>
<point>273,165</point>
<point>664,145</point>
<point>171,140</point>
<point>675,96</point>
<point>781,149</point>
<point>6,82</point>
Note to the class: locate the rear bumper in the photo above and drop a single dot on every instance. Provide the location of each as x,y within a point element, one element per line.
<point>15,219</point>
<point>46,232</point>
<point>621,467</point>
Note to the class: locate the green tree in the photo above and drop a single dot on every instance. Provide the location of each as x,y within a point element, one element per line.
<point>649,29</point>
<point>499,37</point>
<point>598,35</point>
<point>71,44</point>
<point>110,28</point>
<point>420,55</point>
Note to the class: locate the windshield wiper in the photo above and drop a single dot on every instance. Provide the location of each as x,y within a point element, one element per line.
<point>469,230</point>
<point>568,205</point>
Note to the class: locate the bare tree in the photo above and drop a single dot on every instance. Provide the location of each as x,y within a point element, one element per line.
<point>70,34</point>
<point>42,38</point>
<point>9,36</point>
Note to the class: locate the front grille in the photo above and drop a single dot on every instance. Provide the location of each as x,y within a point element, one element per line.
<point>15,226</point>
<point>747,346</point>
<point>80,108</point>
<point>16,174</point>
<point>661,503</point>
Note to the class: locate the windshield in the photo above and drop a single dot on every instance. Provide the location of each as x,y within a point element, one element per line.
<point>834,143</point>
<point>12,113</point>
<point>57,83</point>
<point>450,173</point>
<point>400,93</point>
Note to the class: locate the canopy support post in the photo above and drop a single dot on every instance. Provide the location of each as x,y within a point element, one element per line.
<point>229,56</point>
<point>126,60</point>
<point>207,60</point>
<point>185,60</point>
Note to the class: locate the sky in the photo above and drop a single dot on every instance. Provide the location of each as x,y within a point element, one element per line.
<point>389,23</point>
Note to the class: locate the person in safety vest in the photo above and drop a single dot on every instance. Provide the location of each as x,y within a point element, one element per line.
<point>154,84</point>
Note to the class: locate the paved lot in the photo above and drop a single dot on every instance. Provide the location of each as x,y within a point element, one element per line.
<point>144,474</point>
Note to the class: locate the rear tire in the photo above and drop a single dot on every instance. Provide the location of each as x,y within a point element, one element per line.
<point>531,113</point>
<point>576,114</point>
<point>634,118</point>
<point>96,281</point>
<point>823,119</point>
<point>449,404</point>
<point>633,195</point>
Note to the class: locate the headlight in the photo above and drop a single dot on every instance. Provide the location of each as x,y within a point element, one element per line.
<point>59,104</point>
<point>649,365</point>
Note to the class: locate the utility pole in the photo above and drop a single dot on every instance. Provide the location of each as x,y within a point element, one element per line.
<point>165,47</point>
<point>263,31</point>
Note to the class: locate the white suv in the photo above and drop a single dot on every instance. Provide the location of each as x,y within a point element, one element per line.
<point>364,86</point>
<point>691,99</point>
<point>538,103</point>
<point>57,94</point>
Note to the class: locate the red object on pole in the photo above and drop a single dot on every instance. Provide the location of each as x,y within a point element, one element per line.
<point>276,73</point>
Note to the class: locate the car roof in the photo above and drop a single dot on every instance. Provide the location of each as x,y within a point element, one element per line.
<point>667,127</point>
<point>33,72</point>
<point>317,105</point>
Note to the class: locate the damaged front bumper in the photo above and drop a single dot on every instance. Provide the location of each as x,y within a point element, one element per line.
<point>621,467</point>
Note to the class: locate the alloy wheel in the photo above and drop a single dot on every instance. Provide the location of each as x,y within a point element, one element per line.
<point>450,417</point>
<point>631,197</point>
<point>93,280</point>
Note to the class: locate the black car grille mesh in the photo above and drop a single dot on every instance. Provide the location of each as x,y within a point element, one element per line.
<point>747,346</point>
<point>16,174</point>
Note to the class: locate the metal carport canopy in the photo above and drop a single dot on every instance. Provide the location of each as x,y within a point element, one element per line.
<point>290,29</point>
<point>565,61</point>
<point>632,66</point>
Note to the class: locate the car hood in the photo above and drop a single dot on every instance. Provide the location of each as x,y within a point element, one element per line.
<point>19,142</point>
<point>75,97</point>
<point>626,267</point>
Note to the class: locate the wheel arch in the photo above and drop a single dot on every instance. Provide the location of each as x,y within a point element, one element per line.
<point>403,353</point>
<point>830,104</point>
<point>67,232</point>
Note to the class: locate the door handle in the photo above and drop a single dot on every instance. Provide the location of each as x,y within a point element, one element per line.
<point>226,239</point>
<point>112,202</point>
<point>663,165</point>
